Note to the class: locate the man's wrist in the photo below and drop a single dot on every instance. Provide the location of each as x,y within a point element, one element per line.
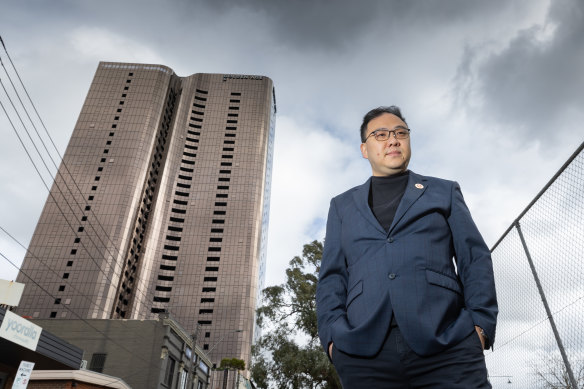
<point>483,336</point>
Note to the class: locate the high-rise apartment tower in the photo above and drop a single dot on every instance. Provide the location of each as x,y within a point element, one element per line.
<point>160,205</point>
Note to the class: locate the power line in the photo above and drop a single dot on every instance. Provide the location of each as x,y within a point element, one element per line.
<point>111,247</point>
<point>54,146</point>
<point>53,198</point>
<point>49,268</point>
<point>93,327</point>
<point>49,171</point>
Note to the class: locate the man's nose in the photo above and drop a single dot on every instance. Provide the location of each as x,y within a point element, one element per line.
<point>392,140</point>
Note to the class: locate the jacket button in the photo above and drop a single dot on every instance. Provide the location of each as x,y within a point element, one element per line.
<point>391,276</point>
<point>390,239</point>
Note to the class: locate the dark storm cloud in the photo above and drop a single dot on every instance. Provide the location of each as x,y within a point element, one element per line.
<point>331,61</point>
<point>534,84</point>
<point>334,25</point>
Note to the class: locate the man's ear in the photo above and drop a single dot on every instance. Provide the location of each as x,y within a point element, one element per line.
<point>364,150</point>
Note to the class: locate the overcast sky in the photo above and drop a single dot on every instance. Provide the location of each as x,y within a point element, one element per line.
<point>492,90</point>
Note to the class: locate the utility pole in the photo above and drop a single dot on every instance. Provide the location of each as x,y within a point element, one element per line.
<point>208,353</point>
<point>193,357</point>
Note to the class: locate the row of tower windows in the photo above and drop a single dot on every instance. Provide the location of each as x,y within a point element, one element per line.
<point>179,211</point>
<point>147,200</point>
<point>87,207</point>
<point>218,211</point>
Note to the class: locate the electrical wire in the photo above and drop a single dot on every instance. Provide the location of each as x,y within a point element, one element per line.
<point>118,266</point>
<point>113,341</point>
<point>66,282</point>
<point>56,149</point>
<point>54,178</point>
<point>60,192</point>
<point>98,267</point>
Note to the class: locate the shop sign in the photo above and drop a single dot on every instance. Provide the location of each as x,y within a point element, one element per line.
<point>20,331</point>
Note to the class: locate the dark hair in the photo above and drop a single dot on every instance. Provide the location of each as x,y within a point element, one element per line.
<point>374,113</point>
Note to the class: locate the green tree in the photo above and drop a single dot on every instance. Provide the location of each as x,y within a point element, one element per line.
<point>232,363</point>
<point>289,354</point>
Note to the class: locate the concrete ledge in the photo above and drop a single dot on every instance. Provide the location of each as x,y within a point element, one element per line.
<point>86,376</point>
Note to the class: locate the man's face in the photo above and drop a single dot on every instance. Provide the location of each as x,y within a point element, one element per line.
<point>387,157</point>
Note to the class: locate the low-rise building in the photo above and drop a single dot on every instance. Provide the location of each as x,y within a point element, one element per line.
<point>21,340</point>
<point>143,353</point>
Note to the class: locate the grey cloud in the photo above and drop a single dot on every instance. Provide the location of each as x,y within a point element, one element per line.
<point>333,26</point>
<point>535,84</point>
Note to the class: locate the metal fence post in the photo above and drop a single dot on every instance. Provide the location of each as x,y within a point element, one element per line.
<point>547,308</point>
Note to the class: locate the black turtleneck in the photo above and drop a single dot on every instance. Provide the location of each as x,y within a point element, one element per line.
<point>385,195</point>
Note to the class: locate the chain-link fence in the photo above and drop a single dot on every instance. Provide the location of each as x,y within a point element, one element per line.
<point>539,272</point>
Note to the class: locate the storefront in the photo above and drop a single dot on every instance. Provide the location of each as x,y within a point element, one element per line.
<point>21,340</point>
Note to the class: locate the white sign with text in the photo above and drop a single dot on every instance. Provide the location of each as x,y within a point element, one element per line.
<point>23,375</point>
<point>20,331</point>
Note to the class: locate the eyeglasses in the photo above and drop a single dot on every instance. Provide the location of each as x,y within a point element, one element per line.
<point>382,134</point>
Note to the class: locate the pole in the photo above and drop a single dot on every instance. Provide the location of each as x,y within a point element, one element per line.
<point>208,353</point>
<point>547,308</point>
<point>193,357</point>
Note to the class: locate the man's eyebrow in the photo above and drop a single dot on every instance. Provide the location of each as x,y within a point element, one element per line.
<point>399,126</point>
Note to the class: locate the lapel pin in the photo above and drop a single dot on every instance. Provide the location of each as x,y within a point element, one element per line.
<point>419,186</point>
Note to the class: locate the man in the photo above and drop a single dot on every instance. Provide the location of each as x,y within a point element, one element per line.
<point>406,295</point>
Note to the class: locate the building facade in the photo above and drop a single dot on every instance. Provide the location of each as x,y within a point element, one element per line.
<point>161,204</point>
<point>148,354</point>
<point>21,340</point>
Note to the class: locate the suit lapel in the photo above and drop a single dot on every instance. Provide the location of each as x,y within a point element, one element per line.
<point>416,186</point>
<point>361,197</point>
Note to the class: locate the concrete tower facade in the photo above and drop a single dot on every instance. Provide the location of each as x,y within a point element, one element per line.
<point>160,205</point>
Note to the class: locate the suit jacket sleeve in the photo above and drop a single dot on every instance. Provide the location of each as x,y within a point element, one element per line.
<point>475,267</point>
<point>331,291</point>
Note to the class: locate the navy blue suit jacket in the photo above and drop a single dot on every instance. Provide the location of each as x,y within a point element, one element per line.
<point>367,273</point>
